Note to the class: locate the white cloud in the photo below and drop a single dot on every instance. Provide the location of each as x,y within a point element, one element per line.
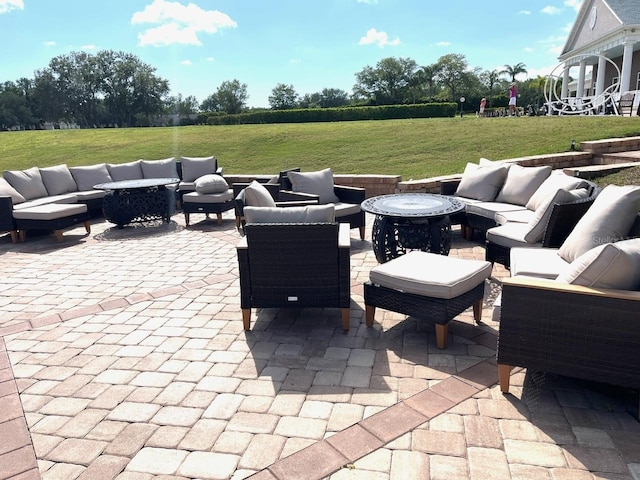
<point>210,59</point>
<point>49,43</point>
<point>88,47</point>
<point>381,38</point>
<point>551,10</point>
<point>178,23</point>
<point>575,4</point>
<point>524,12</point>
<point>186,62</point>
<point>528,49</point>
<point>368,1</point>
<point>443,44</point>
<point>7,5</point>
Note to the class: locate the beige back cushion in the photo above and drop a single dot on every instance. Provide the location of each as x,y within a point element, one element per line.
<point>521,183</point>
<point>308,214</point>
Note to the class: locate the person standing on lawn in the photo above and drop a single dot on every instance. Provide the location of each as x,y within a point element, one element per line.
<point>483,103</point>
<point>513,95</point>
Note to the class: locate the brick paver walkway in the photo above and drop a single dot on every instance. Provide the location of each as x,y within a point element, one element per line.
<point>122,355</point>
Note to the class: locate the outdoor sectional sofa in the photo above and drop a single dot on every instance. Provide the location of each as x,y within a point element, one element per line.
<point>42,198</point>
<point>516,206</point>
<point>573,310</point>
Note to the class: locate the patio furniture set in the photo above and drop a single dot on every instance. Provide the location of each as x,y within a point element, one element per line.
<point>573,250</point>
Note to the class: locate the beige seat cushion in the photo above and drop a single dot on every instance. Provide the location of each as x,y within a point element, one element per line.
<point>490,209</point>
<point>65,198</point>
<point>514,216</point>
<point>50,211</point>
<point>511,235</point>
<point>344,209</point>
<point>195,197</point>
<point>431,275</point>
<point>536,263</point>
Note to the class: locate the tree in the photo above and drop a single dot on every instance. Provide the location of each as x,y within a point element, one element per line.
<point>388,83</point>
<point>283,97</point>
<point>450,72</point>
<point>426,76</point>
<point>333,97</point>
<point>181,106</point>
<point>231,96</point>
<point>210,104</point>
<point>514,70</point>
<point>489,79</point>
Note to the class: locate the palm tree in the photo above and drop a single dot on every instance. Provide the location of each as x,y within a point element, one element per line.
<point>514,70</point>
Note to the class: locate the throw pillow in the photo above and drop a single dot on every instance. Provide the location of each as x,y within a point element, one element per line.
<point>125,171</point>
<point>195,167</point>
<point>255,195</point>
<point>308,214</point>
<point>538,223</point>
<point>609,219</point>
<point>58,180</point>
<point>481,183</point>
<point>211,184</point>
<point>317,183</point>
<point>165,168</point>
<point>27,182</point>
<point>612,265</point>
<point>554,182</point>
<point>521,183</point>
<point>6,190</point>
<point>88,176</point>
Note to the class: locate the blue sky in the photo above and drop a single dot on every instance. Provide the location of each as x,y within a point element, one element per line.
<point>310,44</point>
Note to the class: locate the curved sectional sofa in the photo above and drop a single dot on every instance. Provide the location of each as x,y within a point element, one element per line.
<point>54,198</point>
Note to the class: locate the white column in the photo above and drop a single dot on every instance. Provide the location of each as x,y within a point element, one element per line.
<point>602,70</point>
<point>565,82</point>
<point>583,67</point>
<point>627,57</point>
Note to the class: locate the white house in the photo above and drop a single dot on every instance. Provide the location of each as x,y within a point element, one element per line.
<point>606,32</point>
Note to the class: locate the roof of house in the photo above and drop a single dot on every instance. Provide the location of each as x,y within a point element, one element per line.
<point>627,10</point>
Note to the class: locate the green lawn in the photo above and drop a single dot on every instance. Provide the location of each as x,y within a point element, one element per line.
<point>417,148</point>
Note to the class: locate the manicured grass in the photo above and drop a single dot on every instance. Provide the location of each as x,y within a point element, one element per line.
<point>419,148</point>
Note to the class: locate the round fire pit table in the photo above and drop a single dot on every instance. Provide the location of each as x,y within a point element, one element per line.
<point>411,221</point>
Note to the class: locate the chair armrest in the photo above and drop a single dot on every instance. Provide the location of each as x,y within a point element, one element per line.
<point>349,194</point>
<point>291,196</point>
<point>449,187</point>
<point>344,237</point>
<point>302,203</point>
<point>556,287</point>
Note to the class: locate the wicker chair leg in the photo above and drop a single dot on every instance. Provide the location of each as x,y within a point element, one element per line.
<point>246,318</point>
<point>238,222</point>
<point>442,330</point>
<point>22,235</point>
<point>361,232</point>
<point>219,218</point>
<point>186,219</point>
<point>345,319</point>
<point>504,373</point>
<point>58,234</point>
<point>370,313</point>
<point>87,226</point>
<point>14,236</point>
<point>477,311</point>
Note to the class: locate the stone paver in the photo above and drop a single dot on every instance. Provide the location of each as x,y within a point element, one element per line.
<point>109,371</point>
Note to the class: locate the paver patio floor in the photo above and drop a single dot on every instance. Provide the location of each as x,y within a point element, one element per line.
<point>122,355</point>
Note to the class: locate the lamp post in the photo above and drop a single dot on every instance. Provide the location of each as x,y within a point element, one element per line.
<point>462,99</point>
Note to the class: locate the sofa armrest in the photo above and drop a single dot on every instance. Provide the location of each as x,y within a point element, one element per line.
<point>570,330</point>
<point>349,194</point>
<point>449,187</point>
<point>291,196</point>
<point>6,214</point>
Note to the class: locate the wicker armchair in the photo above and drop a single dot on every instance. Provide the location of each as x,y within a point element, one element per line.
<point>581,332</point>
<point>294,265</point>
<point>346,195</point>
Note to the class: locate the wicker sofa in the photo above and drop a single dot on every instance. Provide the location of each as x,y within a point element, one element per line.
<point>496,193</point>
<point>26,191</point>
<point>573,310</point>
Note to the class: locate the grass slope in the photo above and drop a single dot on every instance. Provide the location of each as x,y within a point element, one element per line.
<point>419,148</point>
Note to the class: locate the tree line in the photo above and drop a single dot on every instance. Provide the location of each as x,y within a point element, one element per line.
<point>117,89</point>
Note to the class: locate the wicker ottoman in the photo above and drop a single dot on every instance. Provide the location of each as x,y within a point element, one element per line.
<point>427,286</point>
<point>51,216</point>
<point>207,203</point>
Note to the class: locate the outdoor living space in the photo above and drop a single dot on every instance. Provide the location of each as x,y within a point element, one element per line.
<point>123,355</point>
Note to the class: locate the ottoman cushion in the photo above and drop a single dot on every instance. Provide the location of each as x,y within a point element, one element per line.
<point>431,275</point>
<point>195,197</point>
<point>50,211</point>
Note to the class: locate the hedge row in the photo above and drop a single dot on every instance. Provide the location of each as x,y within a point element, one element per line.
<point>341,114</point>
